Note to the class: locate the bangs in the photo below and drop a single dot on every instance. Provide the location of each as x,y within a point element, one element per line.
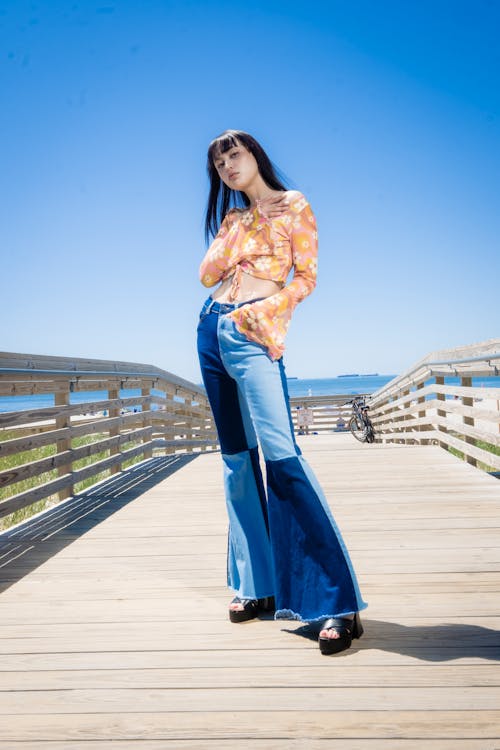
<point>221,197</point>
<point>222,144</point>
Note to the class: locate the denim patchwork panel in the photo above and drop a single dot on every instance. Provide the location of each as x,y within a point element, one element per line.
<point>313,578</point>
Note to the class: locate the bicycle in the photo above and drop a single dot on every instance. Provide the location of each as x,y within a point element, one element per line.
<point>360,424</point>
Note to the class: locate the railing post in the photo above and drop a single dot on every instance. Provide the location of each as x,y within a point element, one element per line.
<point>441,412</point>
<point>467,401</point>
<point>405,419</point>
<point>62,399</point>
<point>161,414</point>
<point>114,411</point>
<point>147,421</point>
<point>188,408</point>
<point>394,419</point>
<point>169,432</point>
<point>422,414</point>
<point>207,423</point>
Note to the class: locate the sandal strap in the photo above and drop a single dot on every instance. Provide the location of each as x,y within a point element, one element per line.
<point>341,624</point>
<point>247,603</point>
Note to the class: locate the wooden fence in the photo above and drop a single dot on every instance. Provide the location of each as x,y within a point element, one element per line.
<point>95,437</point>
<point>168,415</point>
<point>315,414</point>
<point>426,404</point>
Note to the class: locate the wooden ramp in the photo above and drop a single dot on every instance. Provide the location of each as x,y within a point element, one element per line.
<point>114,629</point>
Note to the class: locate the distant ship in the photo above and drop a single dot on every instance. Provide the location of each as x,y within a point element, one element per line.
<point>349,375</point>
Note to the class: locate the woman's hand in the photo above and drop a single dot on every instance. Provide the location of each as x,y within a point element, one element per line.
<point>273,206</point>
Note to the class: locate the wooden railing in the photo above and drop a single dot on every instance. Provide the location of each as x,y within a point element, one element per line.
<point>422,406</point>
<point>170,415</point>
<point>85,441</point>
<point>311,414</point>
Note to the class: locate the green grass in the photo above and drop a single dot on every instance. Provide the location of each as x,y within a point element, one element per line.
<point>45,451</point>
<point>10,462</point>
<point>495,449</point>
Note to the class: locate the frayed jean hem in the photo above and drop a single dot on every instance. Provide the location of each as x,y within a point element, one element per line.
<point>288,614</point>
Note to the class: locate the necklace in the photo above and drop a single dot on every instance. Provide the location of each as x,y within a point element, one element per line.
<point>256,203</point>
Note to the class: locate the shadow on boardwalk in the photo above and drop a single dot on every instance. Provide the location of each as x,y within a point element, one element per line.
<point>434,643</point>
<point>30,544</point>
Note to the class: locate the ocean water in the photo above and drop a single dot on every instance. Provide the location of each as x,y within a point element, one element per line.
<point>296,387</point>
<point>42,400</point>
<point>336,386</point>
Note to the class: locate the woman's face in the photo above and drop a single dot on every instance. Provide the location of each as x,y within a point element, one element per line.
<point>237,167</point>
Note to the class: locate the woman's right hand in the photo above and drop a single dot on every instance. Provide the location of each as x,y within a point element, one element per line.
<point>273,205</point>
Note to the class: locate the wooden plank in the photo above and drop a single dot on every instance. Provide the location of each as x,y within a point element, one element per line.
<point>22,499</point>
<point>459,391</point>
<point>28,442</point>
<point>490,459</point>
<point>373,660</point>
<point>189,724</point>
<point>450,407</point>
<point>420,544</point>
<point>266,743</point>
<point>12,362</point>
<point>246,676</point>
<point>13,418</point>
<point>53,583</point>
<point>107,463</point>
<point>182,443</point>
<point>113,442</point>
<point>410,426</point>
<point>264,700</point>
<point>30,386</point>
<point>452,640</point>
<point>35,468</point>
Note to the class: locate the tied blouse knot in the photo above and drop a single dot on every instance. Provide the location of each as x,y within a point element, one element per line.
<point>248,242</point>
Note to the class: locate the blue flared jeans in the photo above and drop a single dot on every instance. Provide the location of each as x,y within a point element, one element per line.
<point>283,540</point>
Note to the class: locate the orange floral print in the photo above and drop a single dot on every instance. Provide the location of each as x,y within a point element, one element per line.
<point>268,249</point>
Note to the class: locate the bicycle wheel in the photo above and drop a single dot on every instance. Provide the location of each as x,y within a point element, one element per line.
<point>370,435</point>
<point>358,428</point>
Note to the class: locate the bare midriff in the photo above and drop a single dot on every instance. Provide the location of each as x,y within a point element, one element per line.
<point>249,288</point>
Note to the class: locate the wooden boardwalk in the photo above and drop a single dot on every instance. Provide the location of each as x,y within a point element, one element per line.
<point>114,629</point>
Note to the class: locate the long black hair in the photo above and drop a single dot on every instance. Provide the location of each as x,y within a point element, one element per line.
<point>221,197</point>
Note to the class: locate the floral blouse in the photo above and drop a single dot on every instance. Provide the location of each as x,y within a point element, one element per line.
<point>247,242</point>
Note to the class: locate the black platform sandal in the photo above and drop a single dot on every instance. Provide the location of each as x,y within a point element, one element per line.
<point>347,630</point>
<point>251,608</point>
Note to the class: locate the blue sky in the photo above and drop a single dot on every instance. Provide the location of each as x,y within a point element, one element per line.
<point>385,114</point>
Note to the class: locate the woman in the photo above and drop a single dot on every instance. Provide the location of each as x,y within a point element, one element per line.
<point>285,551</point>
